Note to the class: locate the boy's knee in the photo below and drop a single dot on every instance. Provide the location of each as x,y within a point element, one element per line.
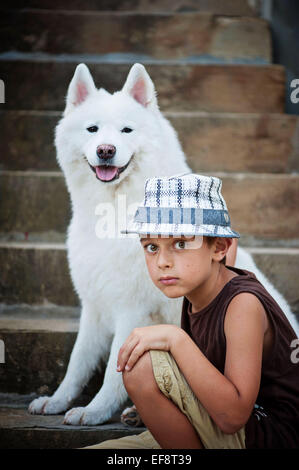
<point>141,377</point>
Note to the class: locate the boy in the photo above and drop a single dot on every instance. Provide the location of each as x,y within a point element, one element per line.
<point>225,379</point>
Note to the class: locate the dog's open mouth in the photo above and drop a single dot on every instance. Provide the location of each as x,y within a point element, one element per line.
<point>107,173</point>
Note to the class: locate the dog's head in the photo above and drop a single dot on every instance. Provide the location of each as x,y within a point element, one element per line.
<point>108,131</point>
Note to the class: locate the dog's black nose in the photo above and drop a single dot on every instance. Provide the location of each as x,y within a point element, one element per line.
<point>106,151</point>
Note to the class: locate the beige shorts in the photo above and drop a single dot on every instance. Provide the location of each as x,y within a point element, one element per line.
<point>173,384</point>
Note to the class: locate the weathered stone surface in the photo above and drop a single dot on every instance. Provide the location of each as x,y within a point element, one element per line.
<point>158,35</point>
<point>180,87</point>
<point>264,205</point>
<point>229,142</point>
<point>37,352</point>
<point>20,430</point>
<point>35,274</point>
<point>258,203</point>
<point>27,140</point>
<point>34,203</point>
<point>35,360</point>
<point>220,7</point>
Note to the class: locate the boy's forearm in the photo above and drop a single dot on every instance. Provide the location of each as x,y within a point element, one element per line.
<point>215,392</point>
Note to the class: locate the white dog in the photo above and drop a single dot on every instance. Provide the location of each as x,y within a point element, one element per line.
<point>107,145</point>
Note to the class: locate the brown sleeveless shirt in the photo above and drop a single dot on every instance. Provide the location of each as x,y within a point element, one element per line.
<point>274,421</point>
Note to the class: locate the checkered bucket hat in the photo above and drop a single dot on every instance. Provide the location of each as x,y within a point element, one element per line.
<point>186,204</point>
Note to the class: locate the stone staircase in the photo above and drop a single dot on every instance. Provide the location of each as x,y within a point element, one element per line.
<point>211,64</point>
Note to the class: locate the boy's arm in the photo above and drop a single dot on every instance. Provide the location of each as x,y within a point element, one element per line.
<point>228,398</point>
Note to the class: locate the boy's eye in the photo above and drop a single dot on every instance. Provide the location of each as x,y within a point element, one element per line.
<point>92,129</point>
<point>180,244</point>
<point>150,248</point>
<point>127,130</point>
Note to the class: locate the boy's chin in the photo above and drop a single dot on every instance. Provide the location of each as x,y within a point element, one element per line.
<point>174,296</point>
<point>171,295</point>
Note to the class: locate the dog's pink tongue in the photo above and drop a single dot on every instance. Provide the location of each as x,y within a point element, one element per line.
<point>106,173</point>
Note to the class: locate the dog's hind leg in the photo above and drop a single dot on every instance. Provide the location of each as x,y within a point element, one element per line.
<point>90,346</point>
<point>131,417</point>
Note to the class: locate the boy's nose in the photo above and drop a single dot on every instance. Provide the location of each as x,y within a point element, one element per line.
<point>164,261</point>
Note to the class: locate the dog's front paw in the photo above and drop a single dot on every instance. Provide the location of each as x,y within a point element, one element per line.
<point>81,417</point>
<point>47,406</point>
<point>130,416</point>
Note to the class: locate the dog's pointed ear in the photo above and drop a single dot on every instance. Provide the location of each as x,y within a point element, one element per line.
<point>81,86</point>
<point>140,86</point>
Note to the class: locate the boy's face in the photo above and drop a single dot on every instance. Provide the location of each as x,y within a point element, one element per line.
<point>186,260</point>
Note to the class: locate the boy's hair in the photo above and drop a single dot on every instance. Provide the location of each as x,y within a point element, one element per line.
<point>210,241</point>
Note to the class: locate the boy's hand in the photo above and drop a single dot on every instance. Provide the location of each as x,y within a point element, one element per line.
<point>142,340</point>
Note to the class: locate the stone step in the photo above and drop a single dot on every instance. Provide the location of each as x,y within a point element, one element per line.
<point>41,197</point>
<point>20,430</point>
<point>152,35</point>
<point>225,142</point>
<point>38,274</point>
<point>220,7</point>
<point>38,344</point>
<point>38,341</point>
<point>38,202</point>
<point>189,86</point>
<point>35,273</point>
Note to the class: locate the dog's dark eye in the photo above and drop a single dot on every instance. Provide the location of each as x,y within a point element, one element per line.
<point>92,129</point>
<point>127,130</point>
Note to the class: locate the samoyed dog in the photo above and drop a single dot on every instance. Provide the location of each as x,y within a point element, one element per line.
<point>107,145</point>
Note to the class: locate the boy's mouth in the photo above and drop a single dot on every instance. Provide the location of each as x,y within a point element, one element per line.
<point>167,280</point>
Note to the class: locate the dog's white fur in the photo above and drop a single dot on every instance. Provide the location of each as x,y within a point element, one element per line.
<point>110,275</point>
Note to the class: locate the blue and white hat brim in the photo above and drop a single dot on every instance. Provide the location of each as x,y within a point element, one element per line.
<point>179,230</point>
<point>181,221</point>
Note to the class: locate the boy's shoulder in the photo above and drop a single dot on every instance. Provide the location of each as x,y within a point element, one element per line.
<point>242,274</point>
<point>247,306</point>
<point>243,296</point>
<point>244,292</point>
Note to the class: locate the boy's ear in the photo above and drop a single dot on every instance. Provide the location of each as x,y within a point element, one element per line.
<point>221,247</point>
